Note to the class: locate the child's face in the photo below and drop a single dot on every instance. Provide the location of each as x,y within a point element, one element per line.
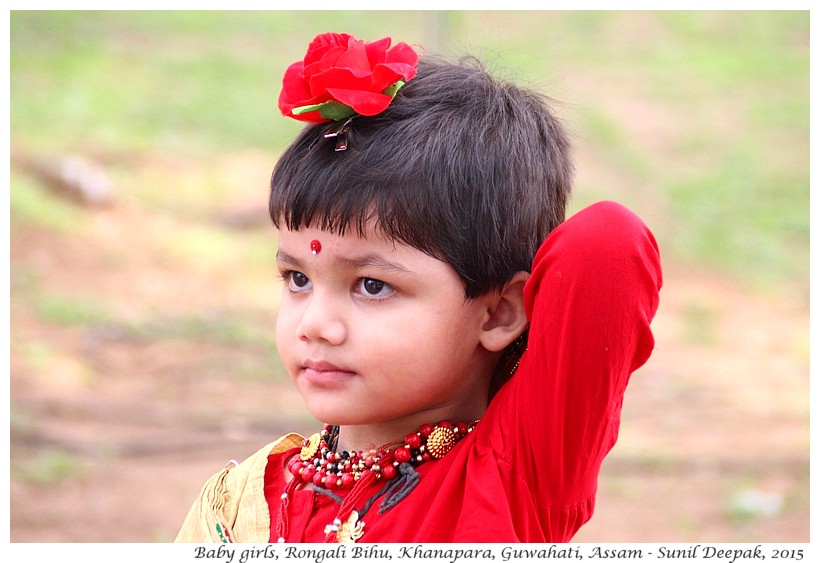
<point>375,332</point>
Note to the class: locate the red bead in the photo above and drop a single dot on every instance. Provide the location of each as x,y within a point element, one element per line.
<point>342,470</point>
<point>402,454</point>
<point>388,471</point>
<point>413,440</point>
<point>308,473</point>
<point>294,466</point>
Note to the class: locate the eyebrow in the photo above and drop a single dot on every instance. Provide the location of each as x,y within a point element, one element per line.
<point>365,261</point>
<point>282,256</point>
<point>373,261</point>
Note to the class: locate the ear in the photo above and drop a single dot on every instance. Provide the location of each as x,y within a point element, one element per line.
<point>506,319</point>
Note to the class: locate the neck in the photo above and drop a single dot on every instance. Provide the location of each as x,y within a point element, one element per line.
<point>468,409</point>
<point>364,437</point>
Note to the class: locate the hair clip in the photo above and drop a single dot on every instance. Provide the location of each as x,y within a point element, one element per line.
<point>339,132</point>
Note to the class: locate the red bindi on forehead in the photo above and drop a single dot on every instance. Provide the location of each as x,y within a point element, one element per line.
<point>315,246</point>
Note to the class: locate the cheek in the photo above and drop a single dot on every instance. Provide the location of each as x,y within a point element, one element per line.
<point>422,342</point>
<point>281,316</point>
<point>454,334</point>
<point>285,330</point>
<point>381,345</point>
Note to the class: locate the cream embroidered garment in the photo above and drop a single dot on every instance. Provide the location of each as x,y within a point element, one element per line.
<point>231,506</point>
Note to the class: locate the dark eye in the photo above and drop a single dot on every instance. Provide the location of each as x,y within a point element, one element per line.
<point>373,287</point>
<point>297,281</point>
<point>370,287</point>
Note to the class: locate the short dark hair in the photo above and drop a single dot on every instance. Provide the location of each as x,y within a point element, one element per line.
<point>469,169</point>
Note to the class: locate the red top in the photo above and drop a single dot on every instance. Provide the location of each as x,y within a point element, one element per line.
<point>529,470</point>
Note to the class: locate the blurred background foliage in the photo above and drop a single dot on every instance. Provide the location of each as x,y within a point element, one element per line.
<point>162,299</point>
<point>722,145</point>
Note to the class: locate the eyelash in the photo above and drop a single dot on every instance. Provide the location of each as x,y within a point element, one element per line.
<point>360,289</point>
<point>287,279</point>
<point>288,275</point>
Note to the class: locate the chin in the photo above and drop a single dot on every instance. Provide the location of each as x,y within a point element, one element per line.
<point>329,414</point>
<point>336,416</point>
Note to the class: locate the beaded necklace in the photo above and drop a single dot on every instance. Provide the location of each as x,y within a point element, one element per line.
<point>318,464</point>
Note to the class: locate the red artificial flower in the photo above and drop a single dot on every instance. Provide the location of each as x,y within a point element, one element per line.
<point>341,76</point>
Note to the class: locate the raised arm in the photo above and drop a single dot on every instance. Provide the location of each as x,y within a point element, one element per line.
<point>590,299</point>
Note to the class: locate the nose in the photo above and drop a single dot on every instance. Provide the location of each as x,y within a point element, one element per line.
<point>322,321</point>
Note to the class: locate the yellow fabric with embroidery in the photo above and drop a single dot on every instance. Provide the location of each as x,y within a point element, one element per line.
<point>231,506</point>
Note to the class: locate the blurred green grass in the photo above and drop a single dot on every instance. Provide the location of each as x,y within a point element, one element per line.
<point>719,167</point>
<point>697,120</point>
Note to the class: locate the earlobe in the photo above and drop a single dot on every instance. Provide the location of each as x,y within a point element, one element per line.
<point>507,319</point>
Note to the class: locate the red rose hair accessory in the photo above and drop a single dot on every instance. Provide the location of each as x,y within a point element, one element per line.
<point>341,77</point>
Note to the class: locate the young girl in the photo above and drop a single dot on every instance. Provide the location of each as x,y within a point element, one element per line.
<point>470,368</point>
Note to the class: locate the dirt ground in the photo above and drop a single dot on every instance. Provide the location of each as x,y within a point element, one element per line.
<point>115,428</point>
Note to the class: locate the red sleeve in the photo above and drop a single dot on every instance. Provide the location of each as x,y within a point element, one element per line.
<point>590,298</point>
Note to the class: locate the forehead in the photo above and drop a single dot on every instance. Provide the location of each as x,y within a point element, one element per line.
<point>322,248</point>
<point>393,223</point>
<point>351,250</point>
<point>330,241</point>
